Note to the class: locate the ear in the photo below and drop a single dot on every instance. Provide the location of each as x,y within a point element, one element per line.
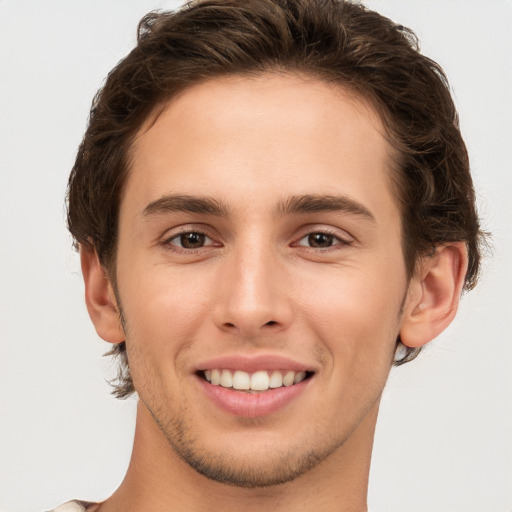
<point>434,294</point>
<point>100,297</point>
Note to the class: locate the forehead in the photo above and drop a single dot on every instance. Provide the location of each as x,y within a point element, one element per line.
<point>262,138</point>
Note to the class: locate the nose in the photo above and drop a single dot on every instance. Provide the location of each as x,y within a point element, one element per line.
<point>253,297</point>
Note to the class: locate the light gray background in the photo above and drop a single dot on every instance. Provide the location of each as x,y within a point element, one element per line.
<point>444,438</point>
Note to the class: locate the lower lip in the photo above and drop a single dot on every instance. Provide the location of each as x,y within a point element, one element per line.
<point>252,405</point>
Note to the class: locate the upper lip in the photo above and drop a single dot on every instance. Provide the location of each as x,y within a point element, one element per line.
<point>253,363</point>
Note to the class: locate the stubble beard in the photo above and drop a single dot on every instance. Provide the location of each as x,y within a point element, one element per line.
<point>242,471</point>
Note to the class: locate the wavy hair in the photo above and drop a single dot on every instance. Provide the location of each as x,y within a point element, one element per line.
<point>338,41</point>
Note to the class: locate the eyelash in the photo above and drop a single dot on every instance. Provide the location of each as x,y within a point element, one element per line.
<point>336,239</point>
<point>167,242</point>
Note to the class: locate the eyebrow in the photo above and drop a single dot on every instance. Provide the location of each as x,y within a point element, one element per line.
<point>186,203</point>
<point>302,204</point>
<point>323,203</point>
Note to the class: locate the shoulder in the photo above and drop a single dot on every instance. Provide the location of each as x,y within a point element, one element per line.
<point>73,506</point>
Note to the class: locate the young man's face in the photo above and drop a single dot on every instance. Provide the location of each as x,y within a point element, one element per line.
<point>259,234</point>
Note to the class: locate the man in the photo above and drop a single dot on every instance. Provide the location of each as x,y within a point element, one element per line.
<point>273,204</point>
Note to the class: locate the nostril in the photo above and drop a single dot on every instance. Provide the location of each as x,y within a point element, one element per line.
<point>248,326</point>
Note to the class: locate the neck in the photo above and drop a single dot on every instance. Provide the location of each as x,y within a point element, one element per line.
<point>159,480</point>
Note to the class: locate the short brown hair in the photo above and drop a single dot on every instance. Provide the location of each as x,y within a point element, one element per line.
<point>338,41</point>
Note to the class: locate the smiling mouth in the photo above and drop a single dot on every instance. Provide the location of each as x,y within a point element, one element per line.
<point>259,381</point>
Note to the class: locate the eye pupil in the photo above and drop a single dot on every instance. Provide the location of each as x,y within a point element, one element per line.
<point>192,240</point>
<point>320,240</point>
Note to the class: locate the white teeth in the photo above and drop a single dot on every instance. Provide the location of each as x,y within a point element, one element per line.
<point>215,377</point>
<point>299,377</point>
<point>261,380</point>
<point>288,379</point>
<point>241,380</point>
<point>276,380</point>
<point>226,379</point>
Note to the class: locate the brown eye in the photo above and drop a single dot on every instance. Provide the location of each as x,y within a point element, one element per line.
<point>320,240</point>
<point>323,240</point>
<point>190,240</point>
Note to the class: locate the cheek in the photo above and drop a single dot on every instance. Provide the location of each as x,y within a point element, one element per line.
<point>354,323</point>
<point>355,291</point>
<point>163,310</point>
<point>355,311</point>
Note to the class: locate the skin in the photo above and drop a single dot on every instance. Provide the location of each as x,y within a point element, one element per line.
<point>258,286</point>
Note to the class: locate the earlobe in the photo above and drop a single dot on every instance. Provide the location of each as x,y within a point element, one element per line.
<point>100,297</point>
<point>434,294</point>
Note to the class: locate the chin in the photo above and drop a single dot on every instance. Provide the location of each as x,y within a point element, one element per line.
<point>248,471</point>
<point>254,467</point>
